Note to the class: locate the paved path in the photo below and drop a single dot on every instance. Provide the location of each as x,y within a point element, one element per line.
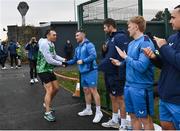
<point>21,105</point>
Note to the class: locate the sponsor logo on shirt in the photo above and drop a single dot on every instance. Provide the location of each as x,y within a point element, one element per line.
<point>141,112</point>
<point>170,44</point>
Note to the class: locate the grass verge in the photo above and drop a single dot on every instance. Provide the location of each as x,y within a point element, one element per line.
<point>70,85</point>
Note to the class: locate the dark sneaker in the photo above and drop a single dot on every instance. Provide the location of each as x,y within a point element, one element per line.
<point>49,116</point>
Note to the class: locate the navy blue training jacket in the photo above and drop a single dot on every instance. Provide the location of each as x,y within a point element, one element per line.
<point>121,40</point>
<point>169,61</point>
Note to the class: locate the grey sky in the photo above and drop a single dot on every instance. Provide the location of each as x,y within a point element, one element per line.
<point>56,10</point>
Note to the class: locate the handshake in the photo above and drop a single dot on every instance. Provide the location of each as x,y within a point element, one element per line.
<point>64,64</point>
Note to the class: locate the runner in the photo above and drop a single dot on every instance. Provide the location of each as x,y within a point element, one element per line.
<point>46,61</point>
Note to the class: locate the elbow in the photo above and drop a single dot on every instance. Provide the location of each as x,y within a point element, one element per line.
<point>178,62</point>
<point>178,66</point>
<point>94,56</point>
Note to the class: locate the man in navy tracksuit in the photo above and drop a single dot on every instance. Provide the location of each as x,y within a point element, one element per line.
<point>85,57</point>
<point>12,49</point>
<point>168,59</point>
<point>114,76</point>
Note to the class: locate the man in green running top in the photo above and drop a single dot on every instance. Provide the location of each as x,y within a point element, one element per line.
<point>46,61</point>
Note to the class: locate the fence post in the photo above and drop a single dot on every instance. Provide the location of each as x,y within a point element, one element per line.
<point>80,16</point>
<point>140,7</point>
<point>105,17</point>
<point>105,9</point>
<point>166,22</point>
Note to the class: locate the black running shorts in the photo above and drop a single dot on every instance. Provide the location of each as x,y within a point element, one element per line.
<point>47,77</point>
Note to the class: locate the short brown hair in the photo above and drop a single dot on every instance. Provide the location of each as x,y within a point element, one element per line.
<point>110,21</point>
<point>140,21</point>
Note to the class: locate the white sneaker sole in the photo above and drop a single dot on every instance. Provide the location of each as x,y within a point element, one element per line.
<point>107,126</point>
<point>97,121</point>
<point>49,119</point>
<point>85,114</point>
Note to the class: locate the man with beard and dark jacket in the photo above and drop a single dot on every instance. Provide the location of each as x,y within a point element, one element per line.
<point>114,75</point>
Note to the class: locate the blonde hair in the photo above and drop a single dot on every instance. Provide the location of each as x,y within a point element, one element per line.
<point>140,21</point>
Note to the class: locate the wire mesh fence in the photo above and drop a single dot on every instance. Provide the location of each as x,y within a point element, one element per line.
<point>122,9</point>
<point>116,9</point>
<point>93,11</point>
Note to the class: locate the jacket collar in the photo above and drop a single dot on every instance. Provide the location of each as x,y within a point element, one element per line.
<point>117,32</point>
<point>85,41</point>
